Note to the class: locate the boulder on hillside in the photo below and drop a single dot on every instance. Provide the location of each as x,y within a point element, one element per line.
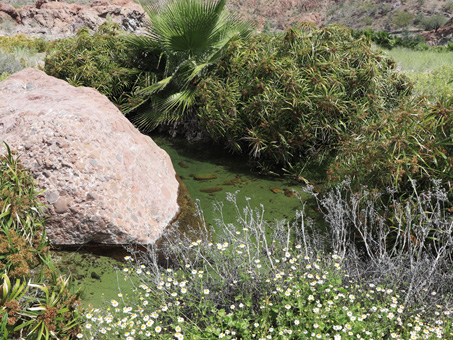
<point>11,11</point>
<point>105,182</point>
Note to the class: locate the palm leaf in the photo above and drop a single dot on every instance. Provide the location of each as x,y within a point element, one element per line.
<point>192,35</point>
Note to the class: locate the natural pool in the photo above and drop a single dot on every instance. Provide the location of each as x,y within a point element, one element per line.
<point>209,174</point>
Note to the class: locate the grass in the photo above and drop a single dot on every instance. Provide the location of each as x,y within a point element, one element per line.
<point>430,71</point>
<point>420,61</point>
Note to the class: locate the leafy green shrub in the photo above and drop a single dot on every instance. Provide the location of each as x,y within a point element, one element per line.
<point>381,38</point>
<point>388,41</point>
<point>450,46</point>
<point>448,6</point>
<point>402,18</point>
<point>285,99</point>
<point>411,142</point>
<point>37,45</point>
<point>434,22</point>
<point>101,60</point>
<point>24,256</point>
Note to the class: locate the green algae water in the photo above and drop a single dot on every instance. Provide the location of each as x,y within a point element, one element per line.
<point>209,174</point>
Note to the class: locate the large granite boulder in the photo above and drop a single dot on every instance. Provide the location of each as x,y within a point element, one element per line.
<point>105,182</point>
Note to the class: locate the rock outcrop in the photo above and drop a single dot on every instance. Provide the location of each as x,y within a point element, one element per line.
<point>442,36</point>
<point>105,182</point>
<point>52,19</point>
<point>11,11</point>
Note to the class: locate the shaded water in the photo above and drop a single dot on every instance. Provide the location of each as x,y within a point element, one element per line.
<point>209,174</point>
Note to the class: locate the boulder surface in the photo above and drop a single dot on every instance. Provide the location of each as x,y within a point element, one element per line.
<point>104,181</point>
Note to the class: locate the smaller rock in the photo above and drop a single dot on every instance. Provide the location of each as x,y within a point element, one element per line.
<point>230,182</point>
<point>289,192</point>
<point>204,177</point>
<point>183,165</point>
<point>275,190</point>
<point>91,196</point>
<point>61,206</point>
<point>51,196</point>
<point>211,190</point>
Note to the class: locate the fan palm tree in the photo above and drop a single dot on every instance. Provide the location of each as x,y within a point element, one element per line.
<point>189,36</point>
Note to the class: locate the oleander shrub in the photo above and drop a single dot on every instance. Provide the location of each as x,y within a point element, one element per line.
<point>287,98</point>
<point>101,60</point>
<point>29,311</point>
<point>412,142</point>
<point>22,236</point>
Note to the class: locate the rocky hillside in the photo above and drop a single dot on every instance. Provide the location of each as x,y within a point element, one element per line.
<point>397,16</point>
<point>387,15</point>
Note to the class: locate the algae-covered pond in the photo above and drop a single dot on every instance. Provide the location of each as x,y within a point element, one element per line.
<point>209,174</point>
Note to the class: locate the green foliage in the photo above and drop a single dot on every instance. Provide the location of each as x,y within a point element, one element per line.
<point>189,36</point>
<point>4,75</point>
<point>24,255</point>
<point>22,235</point>
<point>436,84</point>
<point>434,22</point>
<point>46,312</point>
<point>55,311</point>
<point>388,41</point>
<point>285,99</point>
<point>9,64</point>
<point>9,44</point>
<point>101,60</point>
<point>414,141</point>
<point>19,52</point>
<point>402,18</point>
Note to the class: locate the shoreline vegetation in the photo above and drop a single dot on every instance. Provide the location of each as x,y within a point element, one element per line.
<point>379,130</point>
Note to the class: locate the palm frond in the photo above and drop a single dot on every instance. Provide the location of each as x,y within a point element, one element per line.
<point>155,87</point>
<point>192,35</point>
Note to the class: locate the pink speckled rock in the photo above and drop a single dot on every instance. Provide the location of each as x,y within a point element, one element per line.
<point>105,181</point>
